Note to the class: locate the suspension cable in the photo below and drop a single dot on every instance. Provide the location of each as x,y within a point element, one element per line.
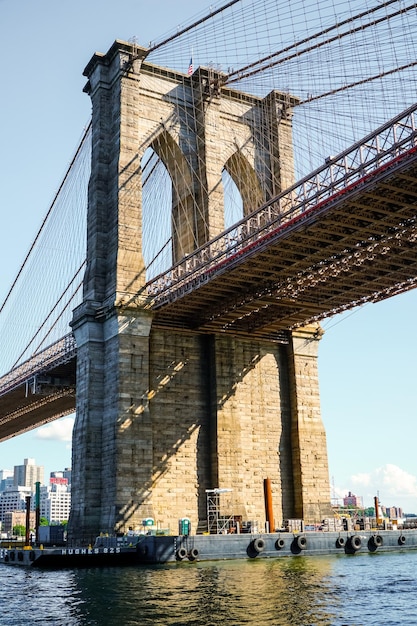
<point>67,173</point>
<point>240,74</point>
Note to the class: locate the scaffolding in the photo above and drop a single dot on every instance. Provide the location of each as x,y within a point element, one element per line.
<point>217,523</point>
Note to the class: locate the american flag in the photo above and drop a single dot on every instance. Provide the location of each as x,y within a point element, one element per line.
<point>190,67</point>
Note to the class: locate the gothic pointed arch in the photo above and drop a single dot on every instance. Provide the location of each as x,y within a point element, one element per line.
<point>187,226</point>
<point>246,181</point>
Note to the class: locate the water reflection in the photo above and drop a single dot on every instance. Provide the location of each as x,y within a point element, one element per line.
<point>286,591</point>
<point>364,589</point>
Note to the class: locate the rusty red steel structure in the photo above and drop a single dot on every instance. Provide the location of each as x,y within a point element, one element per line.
<point>40,389</point>
<point>342,236</point>
<point>382,149</point>
<point>347,214</point>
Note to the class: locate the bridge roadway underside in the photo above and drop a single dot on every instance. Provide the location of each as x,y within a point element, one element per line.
<point>359,246</point>
<point>31,403</point>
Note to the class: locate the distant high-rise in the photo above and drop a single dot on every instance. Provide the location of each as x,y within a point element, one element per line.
<point>62,475</point>
<point>67,474</point>
<point>28,474</point>
<point>6,479</point>
<point>394,512</point>
<point>352,500</point>
<point>55,501</point>
<point>13,499</point>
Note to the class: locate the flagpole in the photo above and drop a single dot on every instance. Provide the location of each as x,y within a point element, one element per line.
<point>191,66</point>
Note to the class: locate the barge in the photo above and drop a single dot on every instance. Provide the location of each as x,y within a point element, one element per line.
<point>106,552</point>
<point>154,549</point>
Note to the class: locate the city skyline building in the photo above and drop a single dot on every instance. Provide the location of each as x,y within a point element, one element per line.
<point>62,475</point>
<point>6,479</point>
<point>393,512</point>
<point>352,500</point>
<point>55,501</point>
<point>28,474</point>
<point>17,485</point>
<point>17,518</point>
<point>13,499</point>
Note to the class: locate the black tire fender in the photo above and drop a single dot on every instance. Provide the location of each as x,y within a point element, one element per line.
<point>193,554</point>
<point>279,544</point>
<point>258,545</point>
<point>302,542</point>
<point>355,542</point>
<point>181,554</point>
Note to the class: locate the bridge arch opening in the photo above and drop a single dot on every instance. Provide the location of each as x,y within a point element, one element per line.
<point>173,223</point>
<point>246,182</point>
<point>156,214</point>
<point>233,203</point>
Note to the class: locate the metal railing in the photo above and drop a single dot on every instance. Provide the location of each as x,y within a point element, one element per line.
<point>56,354</point>
<point>377,152</point>
<point>385,148</point>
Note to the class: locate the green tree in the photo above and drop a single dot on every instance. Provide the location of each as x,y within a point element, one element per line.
<point>19,530</point>
<point>43,521</point>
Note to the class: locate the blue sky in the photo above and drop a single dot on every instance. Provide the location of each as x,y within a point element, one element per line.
<point>367,359</point>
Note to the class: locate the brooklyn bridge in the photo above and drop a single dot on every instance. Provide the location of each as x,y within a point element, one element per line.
<point>191,257</point>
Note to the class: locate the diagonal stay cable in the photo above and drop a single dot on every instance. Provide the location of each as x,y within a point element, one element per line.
<point>77,152</point>
<point>238,75</point>
<point>194,25</point>
<point>368,79</point>
<point>50,313</point>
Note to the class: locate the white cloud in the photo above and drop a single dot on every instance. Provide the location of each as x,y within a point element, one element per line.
<point>397,481</point>
<point>364,480</point>
<point>60,430</point>
<point>395,486</point>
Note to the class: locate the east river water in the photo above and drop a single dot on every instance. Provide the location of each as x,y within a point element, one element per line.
<point>364,589</point>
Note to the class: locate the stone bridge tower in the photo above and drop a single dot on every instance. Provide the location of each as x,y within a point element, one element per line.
<point>163,415</point>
